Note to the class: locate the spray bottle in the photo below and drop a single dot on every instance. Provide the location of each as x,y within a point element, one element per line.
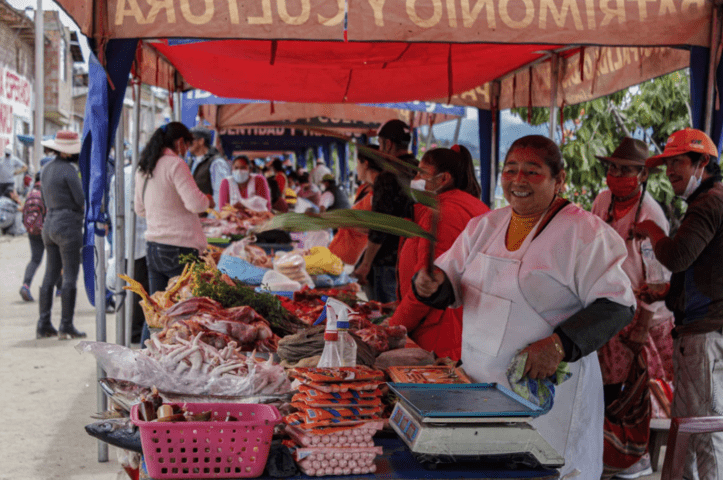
<point>339,346</point>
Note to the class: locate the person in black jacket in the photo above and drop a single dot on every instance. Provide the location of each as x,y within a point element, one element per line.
<point>334,197</point>
<point>62,234</point>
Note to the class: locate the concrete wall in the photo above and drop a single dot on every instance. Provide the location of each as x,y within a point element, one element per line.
<point>58,74</point>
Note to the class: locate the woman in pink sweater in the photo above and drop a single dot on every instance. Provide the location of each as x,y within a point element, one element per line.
<point>167,196</point>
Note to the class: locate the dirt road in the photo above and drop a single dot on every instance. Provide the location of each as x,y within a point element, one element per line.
<point>48,390</point>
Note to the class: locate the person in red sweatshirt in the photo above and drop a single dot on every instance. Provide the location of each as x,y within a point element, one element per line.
<point>449,173</point>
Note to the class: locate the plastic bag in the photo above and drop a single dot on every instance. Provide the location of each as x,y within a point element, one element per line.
<point>292,265</point>
<point>241,270</point>
<point>316,238</point>
<point>320,260</point>
<point>255,203</point>
<point>136,366</point>
<point>238,249</point>
<point>274,281</point>
<point>328,281</point>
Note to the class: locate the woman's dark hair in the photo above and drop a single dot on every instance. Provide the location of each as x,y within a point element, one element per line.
<point>304,178</point>
<point>458,164</point>
<point>277,165</point>
<point>713,167</point>
<point>164,137</point>
<point>549,151</point>
<point>368,158</point>
<point>293,176</point>
<point>243,158</point>
<point>274,191</point>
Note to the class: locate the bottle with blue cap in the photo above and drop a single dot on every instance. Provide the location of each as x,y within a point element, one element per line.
<point>339,346</point>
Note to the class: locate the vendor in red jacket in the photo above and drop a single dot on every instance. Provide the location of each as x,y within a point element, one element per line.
<point>450,174</point>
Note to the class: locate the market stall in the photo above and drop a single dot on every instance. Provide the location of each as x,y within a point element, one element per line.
<point>392,46</point>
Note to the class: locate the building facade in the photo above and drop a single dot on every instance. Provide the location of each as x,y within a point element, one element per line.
<point>17,63</point>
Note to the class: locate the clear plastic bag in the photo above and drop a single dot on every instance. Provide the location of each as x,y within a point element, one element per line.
<point>136,366</point>
<point>274,281</point>
<point>292,265</point>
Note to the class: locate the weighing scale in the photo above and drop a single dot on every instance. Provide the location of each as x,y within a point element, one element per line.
<point>480,422</point>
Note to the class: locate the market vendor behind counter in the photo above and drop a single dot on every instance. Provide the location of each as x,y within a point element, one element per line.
<point>542,277</point>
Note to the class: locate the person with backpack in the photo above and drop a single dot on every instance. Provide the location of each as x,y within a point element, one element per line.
<point>33,216</point>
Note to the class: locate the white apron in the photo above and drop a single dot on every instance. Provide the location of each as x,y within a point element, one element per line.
<point>498,322</point>
<point>234,193</point>
<point>252,201</point>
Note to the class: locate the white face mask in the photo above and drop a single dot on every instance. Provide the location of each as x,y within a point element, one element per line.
<point>240,176</point>
<point>420,184</point>
<point>693,184</point>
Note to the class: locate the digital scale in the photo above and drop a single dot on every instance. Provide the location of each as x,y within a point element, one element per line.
<point>479,422</point>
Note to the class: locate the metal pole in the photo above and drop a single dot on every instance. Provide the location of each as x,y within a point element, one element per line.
<point>102,401</point>
<point>553,93</point>
<point>39,86</point>
<point>712,67</point>
<point>457,128</point>
<point>177,106</point>
<point>429,136</point>
<point>129,207</point>
<point>119,230</point>
<point>496,87</point>
<point>153,112</point>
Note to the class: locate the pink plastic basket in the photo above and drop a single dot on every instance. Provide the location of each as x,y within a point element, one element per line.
<point>213,449</point>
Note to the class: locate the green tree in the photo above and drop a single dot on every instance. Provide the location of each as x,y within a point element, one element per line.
<point>652,110</point>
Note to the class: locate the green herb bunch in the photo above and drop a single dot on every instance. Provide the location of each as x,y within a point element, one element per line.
<point>207,282</point>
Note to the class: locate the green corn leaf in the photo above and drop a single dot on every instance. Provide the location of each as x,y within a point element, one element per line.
<point>301,222</point>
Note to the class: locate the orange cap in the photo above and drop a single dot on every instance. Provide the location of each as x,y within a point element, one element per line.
<point>684,141</point>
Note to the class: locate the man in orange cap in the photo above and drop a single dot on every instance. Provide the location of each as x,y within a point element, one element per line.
<point>695,256</point>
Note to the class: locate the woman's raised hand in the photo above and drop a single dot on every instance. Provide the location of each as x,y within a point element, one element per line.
<point>426,285</point>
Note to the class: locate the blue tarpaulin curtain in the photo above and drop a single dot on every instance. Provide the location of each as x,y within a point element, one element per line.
<point>342,151</point>
<point>102,113</point>
<point>698,87</point>
<point>326,148</point>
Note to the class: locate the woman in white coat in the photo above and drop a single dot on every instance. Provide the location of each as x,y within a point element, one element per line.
<point>545,277</point>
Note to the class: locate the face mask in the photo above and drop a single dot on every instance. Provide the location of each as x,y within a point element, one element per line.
<point>622,187</point>
<point>420,184</point>
<point>693,184</point>
<point>240,176</point>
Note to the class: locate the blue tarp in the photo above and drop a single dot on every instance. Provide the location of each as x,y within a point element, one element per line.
<point>102,112</point>
<point>191,100</point>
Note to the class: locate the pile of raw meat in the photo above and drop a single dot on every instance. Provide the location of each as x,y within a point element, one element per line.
<point>207,320</point>
<point>233,220</point>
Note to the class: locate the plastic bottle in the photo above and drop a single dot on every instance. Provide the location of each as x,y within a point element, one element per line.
<point>347,345</point>
<point>339,346</point>
<point>655,274</point>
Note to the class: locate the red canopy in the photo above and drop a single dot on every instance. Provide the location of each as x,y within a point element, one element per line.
<point>334,72</point>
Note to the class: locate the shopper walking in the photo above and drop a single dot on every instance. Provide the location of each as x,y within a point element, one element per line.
<point>34,212</point>
<point>62,233</point>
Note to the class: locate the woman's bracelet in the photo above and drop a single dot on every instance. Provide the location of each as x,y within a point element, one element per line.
<point>558,347</point>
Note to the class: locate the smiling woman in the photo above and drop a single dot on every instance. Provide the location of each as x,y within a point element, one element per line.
<point>541,278</point>
<point>532,175</point>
